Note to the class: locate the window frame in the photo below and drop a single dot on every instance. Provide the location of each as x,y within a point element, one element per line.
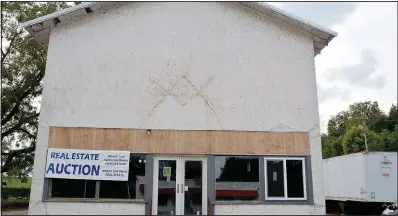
<point>285,197</point>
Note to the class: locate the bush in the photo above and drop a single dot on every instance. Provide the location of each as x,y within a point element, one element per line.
<point>17,193</point>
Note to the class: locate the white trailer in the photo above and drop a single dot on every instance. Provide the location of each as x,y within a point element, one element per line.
<point>361,177</point>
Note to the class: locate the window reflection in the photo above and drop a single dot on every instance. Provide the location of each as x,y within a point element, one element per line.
<point>131,189</point>
<point>237,177</point>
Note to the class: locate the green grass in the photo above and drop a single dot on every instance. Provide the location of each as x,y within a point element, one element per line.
<point>12,203</point>
<point>16,183</point>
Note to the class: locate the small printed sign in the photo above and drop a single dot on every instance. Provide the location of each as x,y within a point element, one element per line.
<point>274,176</point>
<point>166,171</point>
<point>87,164</point>
<point>385,162</point>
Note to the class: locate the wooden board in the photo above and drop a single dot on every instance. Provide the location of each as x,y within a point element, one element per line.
<point>182,141</point>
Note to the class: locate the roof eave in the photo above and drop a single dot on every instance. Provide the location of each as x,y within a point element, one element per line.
<point>58,14</point>
<point>39,28</point>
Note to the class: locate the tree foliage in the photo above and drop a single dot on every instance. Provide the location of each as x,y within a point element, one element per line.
<point>22,68</point>
<point>353,141</point>
<point>332,146</point>
<point>345,136</point>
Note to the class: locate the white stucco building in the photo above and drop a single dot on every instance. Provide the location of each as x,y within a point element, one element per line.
<point>190,89</point>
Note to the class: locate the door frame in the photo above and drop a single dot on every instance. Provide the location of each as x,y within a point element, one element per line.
<point>180,179</point>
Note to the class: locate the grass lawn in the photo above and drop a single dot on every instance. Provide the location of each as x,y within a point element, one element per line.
<point>12,203</point>
<point>16,183</point>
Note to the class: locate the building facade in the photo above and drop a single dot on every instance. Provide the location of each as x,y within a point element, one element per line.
<point>216,102</point>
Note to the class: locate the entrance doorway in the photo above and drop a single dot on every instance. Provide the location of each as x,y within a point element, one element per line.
<point>179,185</point>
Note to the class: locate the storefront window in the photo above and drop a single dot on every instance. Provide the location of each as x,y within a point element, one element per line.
<point>285,178</point>
<point>72,188</point>
<point>133,188</point>
<point>78,188</point>
<point>237,178</point>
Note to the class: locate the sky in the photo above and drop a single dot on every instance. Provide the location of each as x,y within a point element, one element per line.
<point>360,64</point>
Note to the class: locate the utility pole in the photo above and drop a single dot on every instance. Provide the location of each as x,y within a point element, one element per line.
<point>364,135</point>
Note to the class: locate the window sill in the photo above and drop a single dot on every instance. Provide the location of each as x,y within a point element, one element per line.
<point>93,200</point>
<point>264,202</point>
<point>287,202</point>
<point>238,202</point>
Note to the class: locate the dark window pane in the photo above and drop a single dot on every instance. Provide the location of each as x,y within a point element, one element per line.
<point>275,187</point>
<point>237,177</point>
<point>131,189</point>
<point>193,196</point>
<point>294,172</point>
<point>72,188</point>
<point>167,187</point>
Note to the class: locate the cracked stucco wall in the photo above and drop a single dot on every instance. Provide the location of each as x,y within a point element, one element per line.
<point>179,65</point>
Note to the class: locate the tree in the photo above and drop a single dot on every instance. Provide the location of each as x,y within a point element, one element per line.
<point>337,124</point>
<point>344,128</point>
<point>358,113</point>
<point>353,141</point>
<point>332,146</point>
<point>22,65</point>
<point>367,112</point>
<point>393,118</point>
<point>390,139</point>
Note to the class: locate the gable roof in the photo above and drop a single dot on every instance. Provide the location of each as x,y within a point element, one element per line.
<point>40,28</point>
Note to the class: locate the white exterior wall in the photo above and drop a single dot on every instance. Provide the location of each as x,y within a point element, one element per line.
<point>202,66</point>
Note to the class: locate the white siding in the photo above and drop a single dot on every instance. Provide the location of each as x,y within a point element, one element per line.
<point>345,178</point>
<point>116,69</point>
<point>357,176</point>
<point>384,187</point>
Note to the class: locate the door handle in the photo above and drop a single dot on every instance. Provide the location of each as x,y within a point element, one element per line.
<point>182,188</point>
<point>177,187</point>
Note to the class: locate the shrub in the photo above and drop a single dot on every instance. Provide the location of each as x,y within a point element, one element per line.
<point>18,193</point>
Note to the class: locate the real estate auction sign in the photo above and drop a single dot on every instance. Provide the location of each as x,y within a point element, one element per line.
<point>87,164</point>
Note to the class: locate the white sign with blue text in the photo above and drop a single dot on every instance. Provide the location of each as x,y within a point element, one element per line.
<point>87,164</point>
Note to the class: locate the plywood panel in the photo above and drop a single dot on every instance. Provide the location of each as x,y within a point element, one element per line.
<point>182,141</point>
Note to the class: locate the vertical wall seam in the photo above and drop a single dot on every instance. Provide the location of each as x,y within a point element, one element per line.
<point>148,183</point>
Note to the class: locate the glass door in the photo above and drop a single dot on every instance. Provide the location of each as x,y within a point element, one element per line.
<point>194,175</point>
<point>165,180</point>
<point>179,186</point>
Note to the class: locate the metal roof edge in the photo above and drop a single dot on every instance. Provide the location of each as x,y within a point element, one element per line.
<point>363,153</point>
<point>294,17</point>
<point>57,14</point>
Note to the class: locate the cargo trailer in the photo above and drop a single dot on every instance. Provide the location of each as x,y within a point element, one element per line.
<point>366,177</point>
